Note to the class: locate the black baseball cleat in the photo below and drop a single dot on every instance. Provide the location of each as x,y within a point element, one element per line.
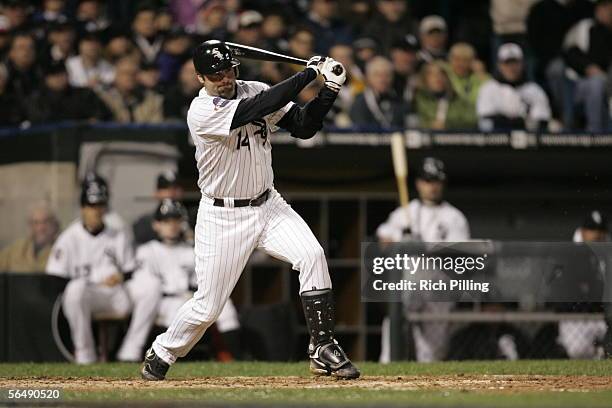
<point>330,360</point>
<point>153,367</point>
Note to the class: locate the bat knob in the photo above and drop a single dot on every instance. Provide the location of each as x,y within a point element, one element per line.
<point>337,70</point>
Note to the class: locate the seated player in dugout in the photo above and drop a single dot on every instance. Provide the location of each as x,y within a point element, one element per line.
<point>428,218</point>
<point>230,123</point>
<point>167,187</point>
<point>96,258</point>
<point>170,262</point>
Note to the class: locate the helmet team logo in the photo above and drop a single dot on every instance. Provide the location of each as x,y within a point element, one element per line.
<point>216,53</point>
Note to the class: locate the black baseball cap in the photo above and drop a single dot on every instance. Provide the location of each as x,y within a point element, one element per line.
<point>408,43</point>
<point>169,208</point>
<point>595,220</point>
<point>167,179</point>
<point>432,169</point>
<point>94,190</point>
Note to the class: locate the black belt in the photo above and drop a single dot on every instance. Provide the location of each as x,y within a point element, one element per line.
<point>247,202</point>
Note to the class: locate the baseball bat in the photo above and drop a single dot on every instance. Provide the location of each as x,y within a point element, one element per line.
<point>246,51</point>
<point>400,167</point>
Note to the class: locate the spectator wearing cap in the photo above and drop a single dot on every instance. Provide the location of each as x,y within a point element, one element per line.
<point>211,21</point>
<point>428,218</point>
<point>127,100</point>
<point>437,105</point>
<point>58,101</point>
<point>60,43</point>
<point>167,187</point>
<point>433,36</point>
<point>466,72</point>
<point>249,33</point>
<point>405,62</point>
<point>30,254</point>
<point>147,39</point>
<point>175,52</point>
<point>587,52</point>
<point>322,18</point>
<point>508,100</point>
<point>178,97</point>
<point>24,72</point>
<point>582,339</point>
<point>88,68</point>
<point>391,21</point>
<point>12,108</point>
<point>365,49</point>
<point>378,105</point>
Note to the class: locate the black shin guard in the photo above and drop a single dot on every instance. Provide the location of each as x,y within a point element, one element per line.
<point>320,315</point>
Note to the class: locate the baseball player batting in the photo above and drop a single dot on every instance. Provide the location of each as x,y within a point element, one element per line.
<point>240,210</point>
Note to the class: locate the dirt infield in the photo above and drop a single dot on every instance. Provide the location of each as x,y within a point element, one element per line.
<point>508,383</point>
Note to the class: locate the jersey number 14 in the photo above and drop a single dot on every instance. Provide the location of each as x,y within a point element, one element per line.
<point>261,130</point>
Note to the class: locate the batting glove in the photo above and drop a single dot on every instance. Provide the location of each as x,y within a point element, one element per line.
<point>315,63</point>
<point>334,74</point>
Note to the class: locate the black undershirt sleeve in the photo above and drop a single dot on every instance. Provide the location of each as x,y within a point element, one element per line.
<point>272,99</point>
<point>304,122</point>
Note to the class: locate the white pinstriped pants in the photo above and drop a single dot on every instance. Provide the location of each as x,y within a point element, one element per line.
<point>225,238</point>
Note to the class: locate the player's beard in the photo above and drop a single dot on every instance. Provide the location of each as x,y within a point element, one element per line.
<point>227,91</point>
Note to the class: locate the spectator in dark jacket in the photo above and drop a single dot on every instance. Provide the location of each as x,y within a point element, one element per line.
<point>175,52</point>
<point>147,39</point>
<point>391,22</point>
<point>12,110</point>
<point>24,73</point>
<point>378,105</point>
<point>433,35</point>
<point>58,101</point>
<point>178,98</point>
<point>588,48</point>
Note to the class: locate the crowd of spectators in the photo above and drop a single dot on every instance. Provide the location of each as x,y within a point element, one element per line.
<point>492,64</point>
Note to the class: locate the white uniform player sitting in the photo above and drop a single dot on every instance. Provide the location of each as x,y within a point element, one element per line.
<point>170,262</point>
<point>583,338</point>
<point>95,258</point>
<point>430,219</point>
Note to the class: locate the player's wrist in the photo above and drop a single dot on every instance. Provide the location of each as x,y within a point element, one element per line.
<point>332,86</point>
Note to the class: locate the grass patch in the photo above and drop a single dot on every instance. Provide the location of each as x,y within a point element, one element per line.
<point>254,369</point>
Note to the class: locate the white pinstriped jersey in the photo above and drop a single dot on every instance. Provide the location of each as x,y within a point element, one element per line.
<point>78,254</point>
<point>172,265</point>
<point>233,163</point>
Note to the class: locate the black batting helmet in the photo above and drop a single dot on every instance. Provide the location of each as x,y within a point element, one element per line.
<point>213,56</point>
<point>169,208</point>
<point>94,190</point>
